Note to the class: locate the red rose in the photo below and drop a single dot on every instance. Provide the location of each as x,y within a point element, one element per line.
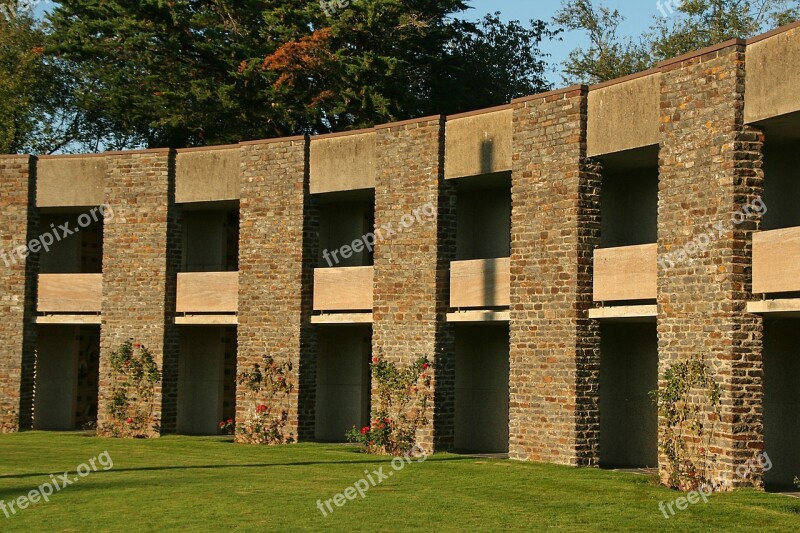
<point>129,420</point>
<point>230,421</point>
<point>137,345</point>
<point>375,360</point>
<point>425,366</point>
<point>364,430</point>
<point>424,376</point>
<point>261,408</point>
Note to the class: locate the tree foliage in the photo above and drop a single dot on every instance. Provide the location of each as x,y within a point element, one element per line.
<point>29,85</point>
<point>40,94</point>
<point>683,26</point>
<point>701,23</point>
<point>491,63</point>
<point>195,72</point>
<point>608,56</point>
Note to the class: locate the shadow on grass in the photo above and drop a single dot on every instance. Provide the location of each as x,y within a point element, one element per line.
<point>378,460</point>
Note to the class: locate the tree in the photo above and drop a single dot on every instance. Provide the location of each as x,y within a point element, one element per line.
<point>490,63</point>
<point>701,23</point>
<point>28,84</point>
<point>608,55</point>
<point>19,70</point>
<point>39,94</point>
<point>196,72</point>
<point>164,73</point>
<point>684,26</point>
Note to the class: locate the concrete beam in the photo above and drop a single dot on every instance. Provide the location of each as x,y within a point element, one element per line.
<point>74,320</point>
<point>479,316</point>
<point>625,313</point>
<point>207,320</point>
<point>785,307</point>
<point>341,319</point>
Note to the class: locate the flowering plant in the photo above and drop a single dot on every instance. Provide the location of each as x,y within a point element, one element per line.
<point>402,396</point>
<point>134,376</point>
<point>227,427</point>
<point>267,391</point>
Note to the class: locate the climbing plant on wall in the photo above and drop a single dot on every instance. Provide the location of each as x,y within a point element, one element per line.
<point>134,376</point>
<point>402,397</point>
<point>689,409</point>
<point>267,390</point>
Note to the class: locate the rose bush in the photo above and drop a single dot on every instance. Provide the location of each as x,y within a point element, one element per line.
<point>402,396</point>
<point>267,390</point>
<point>134,375</point>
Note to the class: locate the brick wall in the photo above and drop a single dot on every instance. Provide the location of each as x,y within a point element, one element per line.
<point>18,220</point>
<point>411,288</point>
<point>277,250</point>
<point>141,257</point>
<point>554,351</point>
<point>711,167</point>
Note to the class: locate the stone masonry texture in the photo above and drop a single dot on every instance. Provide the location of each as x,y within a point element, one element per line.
<point>555,224</point>
<point>411,287</point>
<point>141,257</point>
<point>711,167</point>
<point>277,250</point>
<point>18,220</point>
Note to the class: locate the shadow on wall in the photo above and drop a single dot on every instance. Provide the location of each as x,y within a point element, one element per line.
<point>487,156</point>
<point>489,283</point>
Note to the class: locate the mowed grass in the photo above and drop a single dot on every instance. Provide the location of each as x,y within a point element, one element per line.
<point>211,484</point>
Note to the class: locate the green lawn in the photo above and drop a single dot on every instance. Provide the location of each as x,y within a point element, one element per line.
<point>182,483</point>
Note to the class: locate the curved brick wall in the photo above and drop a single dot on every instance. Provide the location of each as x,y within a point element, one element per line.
<point>692,108</point>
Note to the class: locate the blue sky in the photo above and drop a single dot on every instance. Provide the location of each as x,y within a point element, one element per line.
<point>638,14</point>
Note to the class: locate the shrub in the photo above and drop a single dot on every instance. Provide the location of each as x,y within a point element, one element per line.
<point>402,398</point>
<point>267,394</point>
<point>134,376</point>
